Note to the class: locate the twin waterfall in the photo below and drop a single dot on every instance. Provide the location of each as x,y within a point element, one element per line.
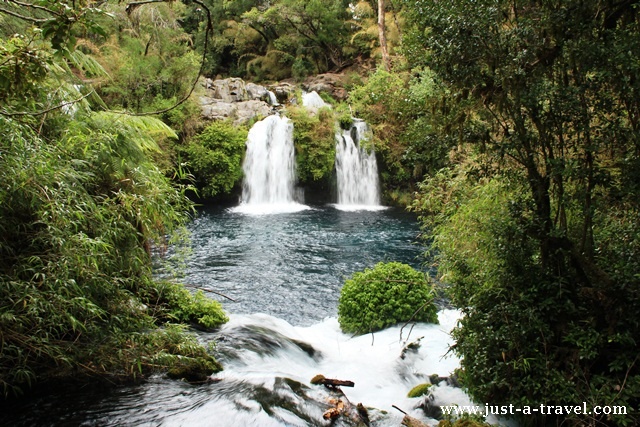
<point>270,168</point>
<point>356,168</point>
<point>269,165</point>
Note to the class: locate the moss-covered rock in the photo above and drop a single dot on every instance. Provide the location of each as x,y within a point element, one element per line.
<point>194,369</point>
<point>419,390</point>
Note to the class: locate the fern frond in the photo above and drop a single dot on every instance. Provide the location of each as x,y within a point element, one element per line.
<point>144,131</point>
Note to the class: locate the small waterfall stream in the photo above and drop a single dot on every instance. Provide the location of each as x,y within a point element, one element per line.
<point>356,169</point>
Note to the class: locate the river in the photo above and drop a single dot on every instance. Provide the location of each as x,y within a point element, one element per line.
<point>284,272</point>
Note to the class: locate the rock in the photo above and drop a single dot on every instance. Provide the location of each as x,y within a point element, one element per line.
<point>284,91</point>
<point>330,83</point>
<point>228,90</point>
<point>257,92</point>
<point>238,112</point>
<point>194,369</point>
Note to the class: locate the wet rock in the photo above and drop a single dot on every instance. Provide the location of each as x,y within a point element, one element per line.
<point>194,369</point>
<point>451,381</point>
<point>284,91</point>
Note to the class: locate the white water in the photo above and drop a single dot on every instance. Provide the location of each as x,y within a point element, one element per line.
<point>269,169</point>
<point>313,100</point>
<point>382,378</point>
<point>356,170</point>
<point>272,99</point>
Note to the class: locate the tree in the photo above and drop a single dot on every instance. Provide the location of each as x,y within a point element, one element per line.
<point>548,96</point>
<point>382,35</point>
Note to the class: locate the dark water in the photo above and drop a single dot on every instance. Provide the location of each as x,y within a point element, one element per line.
<point>293,265</point>
<point>290,267</point>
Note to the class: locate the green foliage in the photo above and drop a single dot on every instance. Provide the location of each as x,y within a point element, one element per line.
<point>315,143</point>
<point>466,420</point>
<point>409,124</point>
<point>83,202</point>
<point>214,157</point>
<point>343,116</point>
<point>148,57</point>
<point>528,223</point>
<point>281,39</point>
<point>385,295</point>
<point>420,390</point>
<point>180,305</point>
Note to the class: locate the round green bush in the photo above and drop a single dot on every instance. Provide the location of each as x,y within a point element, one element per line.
<point>387,294</point>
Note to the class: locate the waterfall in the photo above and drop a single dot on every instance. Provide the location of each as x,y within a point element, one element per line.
<point>269,168</point>
<point>313,100</point>
<point>273,100</point>
<point>356,169</point>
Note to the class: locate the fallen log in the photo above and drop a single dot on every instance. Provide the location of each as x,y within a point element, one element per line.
<point>331,383</point>
<point>340,404</point>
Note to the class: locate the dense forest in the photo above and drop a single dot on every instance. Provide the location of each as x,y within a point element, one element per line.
<point>512,128</point>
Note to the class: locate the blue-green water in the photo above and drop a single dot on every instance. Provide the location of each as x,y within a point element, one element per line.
<point>293,265</point>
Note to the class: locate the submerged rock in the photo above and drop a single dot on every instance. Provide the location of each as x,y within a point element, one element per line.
<point>194,369</point>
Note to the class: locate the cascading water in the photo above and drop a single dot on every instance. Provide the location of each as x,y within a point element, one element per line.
<point>313,100</point>
<point>269,168</point>
<point>356,169</point>
<point>273,100</point>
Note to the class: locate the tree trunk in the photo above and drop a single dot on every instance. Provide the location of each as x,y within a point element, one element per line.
<point>382,35</point>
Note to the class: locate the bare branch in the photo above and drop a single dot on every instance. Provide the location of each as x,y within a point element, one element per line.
<point>24,18</point>
<point>209,290</point>
<point>38,7</point>
<point>40,113</point>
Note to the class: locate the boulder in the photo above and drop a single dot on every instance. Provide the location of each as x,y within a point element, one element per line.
<point>239,112</point>
<point>284,91</point>
<point>330,83</point>
<point>228,90</point>
<point>257,92</point>
<point>234,99</point>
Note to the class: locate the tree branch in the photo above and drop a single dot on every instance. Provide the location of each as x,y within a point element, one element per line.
<point>24,18</point>
<point>202,61</point>
<point>40,113</point>
<point>38,7</point>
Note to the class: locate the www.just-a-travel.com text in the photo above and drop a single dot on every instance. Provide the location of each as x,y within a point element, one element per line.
<point>541,409</point>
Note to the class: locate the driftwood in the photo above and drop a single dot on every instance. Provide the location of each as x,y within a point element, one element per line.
<point>412,422</point>
<point>330,383</point>
<point>339,403</point>
<point>409,421</point>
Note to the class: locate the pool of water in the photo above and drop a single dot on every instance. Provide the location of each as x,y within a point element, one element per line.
<point>292,265</point>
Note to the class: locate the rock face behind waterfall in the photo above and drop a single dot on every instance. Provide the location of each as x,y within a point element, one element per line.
<point>234,99</point>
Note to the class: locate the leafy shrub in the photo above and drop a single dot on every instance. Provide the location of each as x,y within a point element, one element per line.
<point>383,296</point>
<point>215,158</point>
